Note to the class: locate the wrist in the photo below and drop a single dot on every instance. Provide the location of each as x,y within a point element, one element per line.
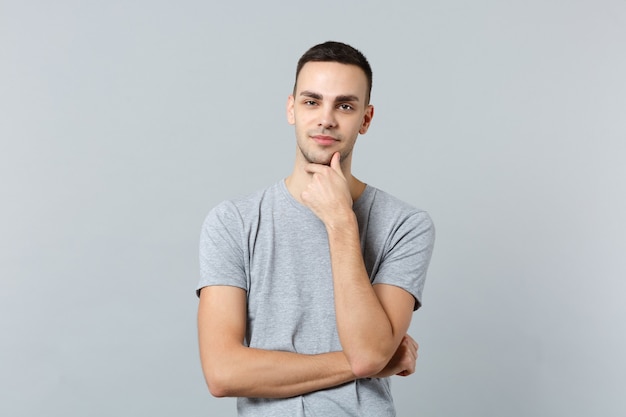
<point>343,222</point>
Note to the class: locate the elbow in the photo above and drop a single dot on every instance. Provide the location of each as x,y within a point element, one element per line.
<point>219,384</point>
<point>217,390</point>
<point>223,376</point>
<point>367,366</point>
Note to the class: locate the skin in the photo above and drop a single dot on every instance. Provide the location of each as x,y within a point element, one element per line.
<point>328,110</point>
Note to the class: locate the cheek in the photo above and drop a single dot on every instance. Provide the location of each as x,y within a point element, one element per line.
<point>305,120</point>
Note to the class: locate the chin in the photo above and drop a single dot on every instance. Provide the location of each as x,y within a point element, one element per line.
<point>321,160</point>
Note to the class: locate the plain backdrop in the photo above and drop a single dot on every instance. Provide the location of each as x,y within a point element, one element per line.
<point>123,122</point>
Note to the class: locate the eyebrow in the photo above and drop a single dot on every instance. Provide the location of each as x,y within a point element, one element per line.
<point>318,96</point>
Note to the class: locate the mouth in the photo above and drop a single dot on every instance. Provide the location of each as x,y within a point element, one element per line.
<point>324,140</point>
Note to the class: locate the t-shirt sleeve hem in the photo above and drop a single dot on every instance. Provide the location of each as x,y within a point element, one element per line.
<point>201,286</point>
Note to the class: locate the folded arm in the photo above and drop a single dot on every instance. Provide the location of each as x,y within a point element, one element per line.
<point>232,369</point>
<point>371,320</point>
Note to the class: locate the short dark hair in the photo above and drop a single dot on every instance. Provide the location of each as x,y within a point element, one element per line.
<point>336,52</point>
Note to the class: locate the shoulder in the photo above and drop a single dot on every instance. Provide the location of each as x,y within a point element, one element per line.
<point>386,217</point>
<point>383,205</point>
<point>243,206</point>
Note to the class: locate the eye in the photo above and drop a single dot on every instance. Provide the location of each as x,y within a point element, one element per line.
<point>345,107</point>
<point>310,103</point>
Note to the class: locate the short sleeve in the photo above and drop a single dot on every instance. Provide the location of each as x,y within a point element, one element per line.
<point>407,256</point>
<point>221,249</point>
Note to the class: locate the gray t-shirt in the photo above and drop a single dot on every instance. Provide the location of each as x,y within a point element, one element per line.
<point>277,250</point>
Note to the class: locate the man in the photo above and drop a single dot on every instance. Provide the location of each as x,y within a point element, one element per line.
<point>308,287</point>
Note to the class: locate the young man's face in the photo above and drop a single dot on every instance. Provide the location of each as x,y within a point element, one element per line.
<point>329,110</point>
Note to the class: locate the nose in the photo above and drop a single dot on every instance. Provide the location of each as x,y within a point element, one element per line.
<point>327,118</point>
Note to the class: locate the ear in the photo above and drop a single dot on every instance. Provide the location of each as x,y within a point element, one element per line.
<point>367,119</point>
<point>291,119</point>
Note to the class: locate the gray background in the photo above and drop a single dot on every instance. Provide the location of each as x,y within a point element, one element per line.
<point>123,122</point>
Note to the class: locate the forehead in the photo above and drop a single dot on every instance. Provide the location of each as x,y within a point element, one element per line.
<point>332,79</point>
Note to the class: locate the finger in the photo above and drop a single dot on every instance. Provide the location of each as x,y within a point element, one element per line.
<point>335,162</point>
<point>408,340</point>
<point>315,168</point>
<point>412,342</point>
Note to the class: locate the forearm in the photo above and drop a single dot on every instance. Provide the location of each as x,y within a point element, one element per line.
<point>248,372</point>
<point>366,333</point>
<point>365,330</point>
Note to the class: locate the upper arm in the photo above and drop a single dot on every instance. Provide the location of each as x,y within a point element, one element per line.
<point>407,256</point>
<point>221,325</point>
<point>398,305</point>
